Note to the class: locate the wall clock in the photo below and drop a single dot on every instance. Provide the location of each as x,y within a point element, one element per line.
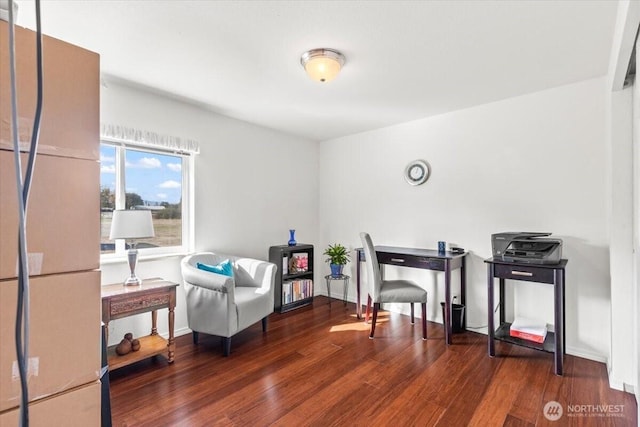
<point>416,172</point>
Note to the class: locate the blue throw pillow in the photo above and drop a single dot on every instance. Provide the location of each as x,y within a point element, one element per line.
<point>225,268</point>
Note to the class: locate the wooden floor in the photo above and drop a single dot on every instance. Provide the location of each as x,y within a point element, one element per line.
<point>316,366</point>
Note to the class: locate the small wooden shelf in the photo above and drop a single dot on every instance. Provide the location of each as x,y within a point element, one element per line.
<point>151,345</point>
<point>304,275</point>
<point>120,301</point>
<point>502,334</point>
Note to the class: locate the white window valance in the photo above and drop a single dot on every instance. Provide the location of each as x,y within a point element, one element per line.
<point>144,138</point>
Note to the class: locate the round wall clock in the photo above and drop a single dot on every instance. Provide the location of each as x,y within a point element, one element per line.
<point>416,172</point>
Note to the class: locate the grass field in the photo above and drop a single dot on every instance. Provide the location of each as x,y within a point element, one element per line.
<point>168,232</point>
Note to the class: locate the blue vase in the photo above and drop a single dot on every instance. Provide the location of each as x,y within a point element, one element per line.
<point>292,238</point>
<point>336,269</point>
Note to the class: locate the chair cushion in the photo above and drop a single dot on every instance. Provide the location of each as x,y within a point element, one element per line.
<point>252,304</point>
<point>225,268</point>
<point>401,291</point>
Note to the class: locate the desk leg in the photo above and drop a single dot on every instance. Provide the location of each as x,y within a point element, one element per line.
<point>358,306</point>
<point>564,335</point>
<point>490,305</point>
<point>503,310</point>
<point>106,333</point>
<point>172,342</point>
<point>346,290</point>
<point>558,317</point>
<point>463,292</point>
<point>447,301</point>
<point>154,322</point>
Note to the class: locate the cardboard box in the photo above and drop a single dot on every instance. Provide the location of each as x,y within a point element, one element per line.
<point>78,407</point>
<point>70,125</point>
<point>64,344</point>
<point>63,218</point>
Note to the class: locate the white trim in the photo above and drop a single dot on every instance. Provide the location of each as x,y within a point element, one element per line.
<point>109,259</point>
<point>188,191</point>
<point>624,38</point>
<point>120,191</point>
<point>581,352</point>
<point>143,138</point>
<point>614,383</point>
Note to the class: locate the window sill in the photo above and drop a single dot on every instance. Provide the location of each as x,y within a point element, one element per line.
<point>141,258</point>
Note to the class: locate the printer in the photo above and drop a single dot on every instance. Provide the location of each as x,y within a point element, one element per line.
<point>528,247</point>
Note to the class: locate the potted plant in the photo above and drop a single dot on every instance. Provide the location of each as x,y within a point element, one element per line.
<point>337,258</point>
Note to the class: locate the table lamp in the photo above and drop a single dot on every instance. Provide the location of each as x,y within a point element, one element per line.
<point>131,225</point>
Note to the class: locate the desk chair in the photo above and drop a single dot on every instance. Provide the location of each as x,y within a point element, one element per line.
<point>381,291</point>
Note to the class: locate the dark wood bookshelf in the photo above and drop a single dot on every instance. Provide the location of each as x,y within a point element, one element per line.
<point>285,252</point>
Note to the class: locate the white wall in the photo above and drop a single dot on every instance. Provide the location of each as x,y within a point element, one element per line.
<point>531,163</point>
<point>623,204</point>
<point>621,237</point>
<point>252,185</point>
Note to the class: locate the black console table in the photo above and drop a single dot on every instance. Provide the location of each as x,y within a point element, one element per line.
<point>428,259</point>
<point>552,274</point>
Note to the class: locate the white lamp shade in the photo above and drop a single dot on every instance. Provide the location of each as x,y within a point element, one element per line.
<point>131,224</point>
<point>322,69</point>
<point>323,64</point>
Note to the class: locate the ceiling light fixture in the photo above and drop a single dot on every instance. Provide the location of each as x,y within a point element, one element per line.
<point>323,64</point>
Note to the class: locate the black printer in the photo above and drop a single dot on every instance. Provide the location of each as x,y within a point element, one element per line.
<point>528,247</point>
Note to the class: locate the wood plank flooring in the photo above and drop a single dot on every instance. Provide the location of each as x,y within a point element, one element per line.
<point>316,366</point>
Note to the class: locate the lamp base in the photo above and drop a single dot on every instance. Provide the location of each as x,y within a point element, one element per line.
<point>132,281</point>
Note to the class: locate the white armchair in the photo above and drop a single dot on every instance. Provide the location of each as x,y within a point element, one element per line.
<point>222,305</point>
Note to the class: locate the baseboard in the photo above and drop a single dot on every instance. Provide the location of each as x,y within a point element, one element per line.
<point>617,384</point>
<point>176,333</point>
<point>614,383</point>
<point>181,331</point>
<point>579,352</point>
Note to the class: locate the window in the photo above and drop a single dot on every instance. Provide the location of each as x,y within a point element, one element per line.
<point>133,177</point>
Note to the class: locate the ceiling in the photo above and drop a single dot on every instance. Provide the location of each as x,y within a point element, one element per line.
<point>405,60</point>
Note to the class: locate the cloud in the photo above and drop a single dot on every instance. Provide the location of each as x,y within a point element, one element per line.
<point>176,167</point>
<point>106,159</point>
<point>161,196</point>
<point>108,169</point>
<point>170,184</point>
<point>145,163</point>
<point>149,163</point>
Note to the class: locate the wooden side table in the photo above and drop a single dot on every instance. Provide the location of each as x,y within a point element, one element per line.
<point>120,301</point>
<point>552,274</point>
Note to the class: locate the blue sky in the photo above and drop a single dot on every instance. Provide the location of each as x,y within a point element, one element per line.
<point>155,177</point>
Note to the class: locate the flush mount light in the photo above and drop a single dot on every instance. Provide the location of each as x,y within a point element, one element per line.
<point>323,64</point>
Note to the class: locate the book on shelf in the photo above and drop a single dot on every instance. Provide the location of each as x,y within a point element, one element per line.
<point>528,329</point>
<point>299,263</point>
<point>296,290</point>
<point>285,265</point>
